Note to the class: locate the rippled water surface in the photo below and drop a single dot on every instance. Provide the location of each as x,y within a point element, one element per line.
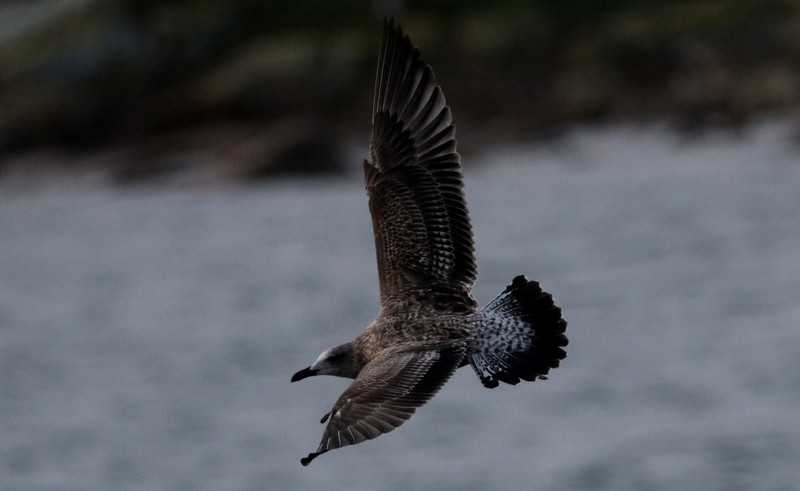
<point>147,334</point>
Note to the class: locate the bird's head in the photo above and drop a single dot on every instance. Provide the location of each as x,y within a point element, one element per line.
<point>339,361</point>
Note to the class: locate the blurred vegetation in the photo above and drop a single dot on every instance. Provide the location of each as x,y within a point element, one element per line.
<point>255,79</point>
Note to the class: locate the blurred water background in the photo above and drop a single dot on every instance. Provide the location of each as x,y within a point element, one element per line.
<point>183,226</point>
<point>147,334</point>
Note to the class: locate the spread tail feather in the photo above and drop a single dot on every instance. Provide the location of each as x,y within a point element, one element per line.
<point>518,336</point>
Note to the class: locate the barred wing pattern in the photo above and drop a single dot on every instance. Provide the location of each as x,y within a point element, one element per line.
<point>386,393</point>
<point>423,235</point>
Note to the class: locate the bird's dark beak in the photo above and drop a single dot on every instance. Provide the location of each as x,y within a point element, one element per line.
<point>306,372</point>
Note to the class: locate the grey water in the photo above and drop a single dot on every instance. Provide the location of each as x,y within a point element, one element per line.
<point>148,334</point>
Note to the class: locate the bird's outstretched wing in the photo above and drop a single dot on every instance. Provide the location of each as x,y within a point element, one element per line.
<point>413,177</point>
<point>386,393</point>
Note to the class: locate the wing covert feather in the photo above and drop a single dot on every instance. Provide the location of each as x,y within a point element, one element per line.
<point>386,393</point>
<point>413,178</point>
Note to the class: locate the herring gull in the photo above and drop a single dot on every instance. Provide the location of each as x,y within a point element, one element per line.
<point>428,324</point>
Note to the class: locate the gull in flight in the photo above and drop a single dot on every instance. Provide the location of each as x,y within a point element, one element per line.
<point>428,324</point>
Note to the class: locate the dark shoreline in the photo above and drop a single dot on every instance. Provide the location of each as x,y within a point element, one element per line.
<point>267,85</point>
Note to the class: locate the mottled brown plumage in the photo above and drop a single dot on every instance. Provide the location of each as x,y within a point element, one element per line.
<point>428,324</point>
